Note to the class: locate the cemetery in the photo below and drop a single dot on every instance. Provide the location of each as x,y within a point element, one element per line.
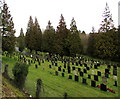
<point>76,76</point>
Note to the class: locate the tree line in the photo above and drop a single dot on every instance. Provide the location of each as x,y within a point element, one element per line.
<point>103,44</point>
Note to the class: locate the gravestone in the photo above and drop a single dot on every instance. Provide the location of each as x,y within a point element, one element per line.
<point>59,68</point>
<point>87,68</point>
<point>106,75</point>
<point>76,78</point>
<point>69,71</point>
<point>85,64</point>
<point>79,69</point>
<point>52,63</point>
<point>115,72</point>
<point>72,63</point>
<point>50,66</point>
<point>63,70</point>
<point>95,66</point>
<point>84,70</point>
<point>63,75</point>
<point>70,77</point>
<point>93,83</point>
<point>106,71</point>
<point>92,72</point>
<point>68,67</point>
<point>89,76</point>
<point>80,64</point>
<point>55,64</point>
<point>36,66</point>
<point>108,66</point>
<point>84,81</point>
<point>73,68</point>
<point>115,78</point>
<point>115,84</point>
<point>98,73</point>
<point>81,73</point>
<point>95,77</point>
<point>56,73</point>
<point>103,87</point>
<point>64,65</point>
<point>76,63</point>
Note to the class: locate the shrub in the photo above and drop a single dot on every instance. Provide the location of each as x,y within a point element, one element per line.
<point>20,71</point>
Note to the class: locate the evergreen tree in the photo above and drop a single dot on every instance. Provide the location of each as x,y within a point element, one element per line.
<point>107,23</point>
<point>29,36</point>
<point>21,40</point>
<point>75,41</point>
<point>37,36</point>
<point>49,39</point>
<point>8,38</point>
<point>62,42</point>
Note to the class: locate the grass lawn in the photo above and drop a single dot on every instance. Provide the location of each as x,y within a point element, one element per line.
<point>55,86</point>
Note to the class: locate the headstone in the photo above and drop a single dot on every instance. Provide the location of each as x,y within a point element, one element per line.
<point>106,75</point>
<point>115,78</point>
<point>80,64</point>
<point>87,68</point>
<point>95,77</point>
<point>103,87</point>
<point>50,66</point>
<point>98,73</point>
<point>115,72</point>
<point>64,65</point>
<point>79,69</point>
<point>52,63</point>
<point>36,66</point>
<point>55,64</point>
<point>59,68</point>
<point>93,72</point>
<point>89,76</point>
<point>106,71</point>
<point>81,73</point>
<point>84,81</point>
<point>76,78</point>
<point>108,66</point>
<point>93,83</point>
<point>56,73</point>
<point>73,68</point>
<point>95,66</point>
<point>63,75</point>
<point>85,71</point>
<point>70,77</point>
<point>72,63</point>
<point>85,64</point>
<point>69,71</point>
<point>76,63</point>
<point>115,83</point>
<point>75,72</point>
<point>63,70</point>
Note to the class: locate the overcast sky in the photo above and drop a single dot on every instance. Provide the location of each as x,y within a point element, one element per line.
<point>87,13</point>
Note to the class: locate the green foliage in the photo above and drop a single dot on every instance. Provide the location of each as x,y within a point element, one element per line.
<point>21,40</point>
<point>49,39</point>
<point>8,39</point>
<point>20,71</point>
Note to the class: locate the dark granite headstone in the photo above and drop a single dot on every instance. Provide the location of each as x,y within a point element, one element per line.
<point>106,75</point>
<point>89,76</point>
<point>108,66</point>
<point>76,63</point>
<point>98,73</point>
<point>106,71</point>
<point>72,63</point>
<point>79,69</point>
<point>115,83</point>
<point>63,75</point>
<point>69,71</point>
<point>80,64</point>
<point>84,70</point>
<point>36,66</point>
<point>55,64</point>
<point>115,72</point>
<point>76,78</point>
<point>70,77</point>
<point>64,65</point>
<point>81,73</point>
<point>95,66</point>
<point>95,77</point>
<point>56,73</point>
<point>73,68</point>
<point>85,64</point>
<point>103,87</point>
<point>84,81</point>
<point>50,66</point>
<point>63,70</point>
<point>93,83</point>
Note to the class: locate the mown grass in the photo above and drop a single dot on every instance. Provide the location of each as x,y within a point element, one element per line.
<point>55,86</point>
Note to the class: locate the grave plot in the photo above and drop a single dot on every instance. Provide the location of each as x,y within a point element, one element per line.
<point>79,72</point>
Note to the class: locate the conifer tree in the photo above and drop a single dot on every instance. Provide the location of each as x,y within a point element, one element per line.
<point>62,42</point>
<point>8,38</point>
<point>107,23</point>
<point>49,39</point>
<point>21,40</point>
<point>75,41</point>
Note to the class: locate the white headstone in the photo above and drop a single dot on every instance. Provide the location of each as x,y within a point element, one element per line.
<point>115,77</point>
<point>93,72</point>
